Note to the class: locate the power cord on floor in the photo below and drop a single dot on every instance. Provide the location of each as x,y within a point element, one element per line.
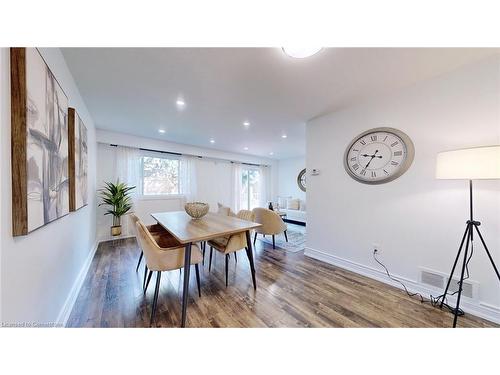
<point>434,301</point>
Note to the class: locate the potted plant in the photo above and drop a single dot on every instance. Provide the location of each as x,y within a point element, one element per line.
<point>117,196</point>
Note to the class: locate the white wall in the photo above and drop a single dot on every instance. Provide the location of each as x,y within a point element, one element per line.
<point>209,171</point>
<point>288,172</point>
<point>39,270</point>
<point>417,220</point>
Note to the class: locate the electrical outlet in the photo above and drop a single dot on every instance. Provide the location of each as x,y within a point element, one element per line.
<point>376,248</point>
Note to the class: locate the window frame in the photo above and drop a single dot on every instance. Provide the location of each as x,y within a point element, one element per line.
<point>159,155</point>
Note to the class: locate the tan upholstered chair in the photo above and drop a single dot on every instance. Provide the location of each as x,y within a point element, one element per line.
<point>221,210</point>
<point>164,254</point>
<point>156,231</point>
<point>224,210</point>
<point>272,223</point>
<point>230,244</point>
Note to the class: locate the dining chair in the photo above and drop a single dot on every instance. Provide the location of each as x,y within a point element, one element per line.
<point>164,254</point>
<point>156,231</point>
<point>224,211</point>
<point>271,224</point>
<point>233,243</point>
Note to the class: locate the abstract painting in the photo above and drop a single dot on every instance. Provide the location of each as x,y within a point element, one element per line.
<point>39,143</point>
<point>78,161</point>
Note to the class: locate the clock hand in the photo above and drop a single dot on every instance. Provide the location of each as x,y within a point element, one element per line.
<point>377,156</point>
<point>373,156</point>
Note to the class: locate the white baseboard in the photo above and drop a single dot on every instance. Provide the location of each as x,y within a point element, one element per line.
<point>65,312</point>
<point>482,310</point>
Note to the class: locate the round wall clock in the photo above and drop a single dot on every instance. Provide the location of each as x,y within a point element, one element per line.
<point>379,155</point>
<point>301,180</point>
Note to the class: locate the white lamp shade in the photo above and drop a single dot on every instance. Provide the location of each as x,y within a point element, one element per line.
<point>478,163</point>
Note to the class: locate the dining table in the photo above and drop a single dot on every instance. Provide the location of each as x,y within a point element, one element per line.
<point>188,231</point>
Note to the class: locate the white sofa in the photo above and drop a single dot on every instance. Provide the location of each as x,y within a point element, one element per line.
<point>294,208</point>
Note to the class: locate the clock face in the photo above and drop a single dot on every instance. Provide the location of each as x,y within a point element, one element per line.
<point>379,155</point>
<point>301,180</point>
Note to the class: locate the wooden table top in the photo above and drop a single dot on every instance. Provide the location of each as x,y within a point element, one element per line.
<point>185,229</point>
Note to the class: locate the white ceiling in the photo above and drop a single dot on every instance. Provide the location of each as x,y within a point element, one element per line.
<point>134,90</point>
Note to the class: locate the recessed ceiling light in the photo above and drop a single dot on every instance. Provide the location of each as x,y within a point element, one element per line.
<point>245,148</point>
<point>246,123</point>
<point>271,153</point>
<point>212,141</point>
<point>301,52</point>
<point>284,136</point>
<point>162,131</point>
<point>180,103</point>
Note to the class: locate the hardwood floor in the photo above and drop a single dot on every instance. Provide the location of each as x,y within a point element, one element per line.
<point>292,291</point>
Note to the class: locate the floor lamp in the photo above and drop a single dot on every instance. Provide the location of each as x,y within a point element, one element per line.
<point>479,163</point>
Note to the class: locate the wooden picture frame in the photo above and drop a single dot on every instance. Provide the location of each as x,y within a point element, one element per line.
<point>78,161</point>
<point>39,143</point>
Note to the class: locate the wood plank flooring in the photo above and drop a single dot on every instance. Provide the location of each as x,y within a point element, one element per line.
<point>292,291</point>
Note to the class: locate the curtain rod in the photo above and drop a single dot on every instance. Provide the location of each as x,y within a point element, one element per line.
<point>196,156</point>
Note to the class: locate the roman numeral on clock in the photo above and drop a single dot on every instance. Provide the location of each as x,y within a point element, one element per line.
<point>355,167</point>
<point>394,144</point>
<point>398,153</point>
<point>362,142</point>
<point>387,173</point>
<point>363,172</point>
<point>394,162</point>
<point>353,159</point>
<point>374,174</point>
<point>373,138</point>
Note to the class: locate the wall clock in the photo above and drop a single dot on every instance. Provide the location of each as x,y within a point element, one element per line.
<point>301,180</point>
<point>379,155</point>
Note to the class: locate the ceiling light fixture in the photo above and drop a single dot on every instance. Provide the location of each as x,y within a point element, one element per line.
<point>246,123</point>
<point>212,141</point>
<point>245,148</point>
<point>284,136</point>
<point>162,131</point>
<point>271,153</point>
<point>301,52</point>
<point>180,103</point>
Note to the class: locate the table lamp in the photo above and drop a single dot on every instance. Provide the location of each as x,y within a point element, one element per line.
<point>478,163</point>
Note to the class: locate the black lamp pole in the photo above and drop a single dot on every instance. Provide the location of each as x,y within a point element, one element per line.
<point>469,233</point>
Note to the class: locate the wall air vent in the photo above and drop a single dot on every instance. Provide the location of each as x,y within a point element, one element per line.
<point>467,287</point>
<point>433,279</point>
<point>438,280</point>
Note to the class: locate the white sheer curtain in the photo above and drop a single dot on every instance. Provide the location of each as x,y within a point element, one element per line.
<point>187,178</point>
<point>128,169</point>
<point>264,186</point>
<point>236,187</point>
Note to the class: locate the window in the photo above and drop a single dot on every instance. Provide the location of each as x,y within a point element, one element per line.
<point>160,175</point>
<point>250,189</point>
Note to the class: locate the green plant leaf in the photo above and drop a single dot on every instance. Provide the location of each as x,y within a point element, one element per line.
<point>117,196</point>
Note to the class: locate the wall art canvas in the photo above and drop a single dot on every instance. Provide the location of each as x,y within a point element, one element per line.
<point>78,161</point>
<point>39,117</point>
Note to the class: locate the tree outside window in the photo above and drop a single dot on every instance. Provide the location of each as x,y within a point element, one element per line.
<point>160,176</point>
